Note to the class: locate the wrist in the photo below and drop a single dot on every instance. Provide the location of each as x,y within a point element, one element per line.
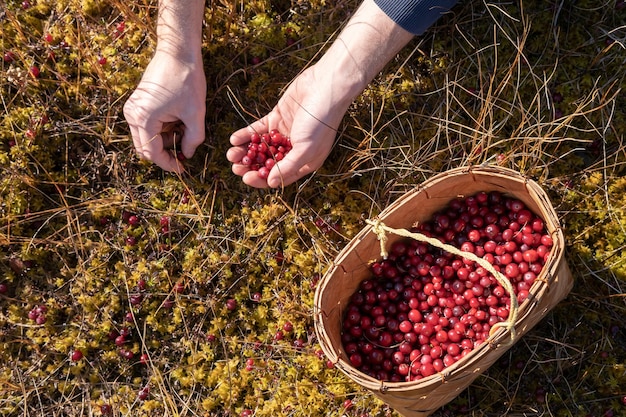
<point>179,29</point>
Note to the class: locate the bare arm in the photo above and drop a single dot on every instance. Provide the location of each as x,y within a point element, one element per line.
<point>314,104</point>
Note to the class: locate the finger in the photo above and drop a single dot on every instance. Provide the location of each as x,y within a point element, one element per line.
<point>194,134</point>
<point>134,134</point>
<point>240,169</point>
<point>129,114</point>
<point>153,150</point>
<point>288,171</point>
<point>235,154</point>
<point>242,136</point>
<point>252,179</point>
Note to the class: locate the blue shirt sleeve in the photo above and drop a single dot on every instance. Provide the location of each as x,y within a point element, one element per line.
<point>415,16</point>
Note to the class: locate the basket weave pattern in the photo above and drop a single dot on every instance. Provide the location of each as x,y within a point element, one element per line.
<point>421,398</point>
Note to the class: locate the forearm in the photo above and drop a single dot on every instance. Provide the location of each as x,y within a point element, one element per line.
<point>179,29</point>
<point>367,43</point>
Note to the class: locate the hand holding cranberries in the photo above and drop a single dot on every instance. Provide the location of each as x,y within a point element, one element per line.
<point>264,150</point>
<point>423,309</point>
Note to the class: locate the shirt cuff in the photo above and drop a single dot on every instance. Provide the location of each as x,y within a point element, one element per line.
<point>415,16</point>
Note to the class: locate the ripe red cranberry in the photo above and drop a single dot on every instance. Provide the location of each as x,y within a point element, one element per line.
<point>76,355</point>
<point>9,57</point>
<point>133,220</point>
<point>179,287</point>
<point>231,304</point>
<point>144,393</point>
<point>34,71</point>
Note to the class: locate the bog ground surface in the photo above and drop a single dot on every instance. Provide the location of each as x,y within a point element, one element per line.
<point>125,290</point>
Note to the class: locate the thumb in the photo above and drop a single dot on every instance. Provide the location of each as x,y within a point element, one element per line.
<point>288,171</point>
<point>193,136</point>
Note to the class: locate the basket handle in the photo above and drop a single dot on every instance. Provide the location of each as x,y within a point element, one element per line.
<point>381,230</point>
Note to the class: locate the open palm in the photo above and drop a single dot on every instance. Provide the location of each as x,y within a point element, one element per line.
<point>309,113</point>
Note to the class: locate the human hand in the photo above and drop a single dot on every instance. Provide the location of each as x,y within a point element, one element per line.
<point>310,110</point>
<point>170,91</point>
<point>309,113</point>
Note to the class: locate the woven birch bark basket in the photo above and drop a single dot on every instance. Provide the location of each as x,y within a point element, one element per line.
<point>421,398</point>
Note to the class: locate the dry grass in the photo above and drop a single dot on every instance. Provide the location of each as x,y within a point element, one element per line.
<point>534,86</point>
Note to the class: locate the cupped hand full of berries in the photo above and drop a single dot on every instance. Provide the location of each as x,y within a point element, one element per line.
<point>308,113</point>
<point>264,150</point>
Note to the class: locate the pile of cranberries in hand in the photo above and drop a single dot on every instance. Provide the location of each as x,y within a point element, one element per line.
<point>264,150</point>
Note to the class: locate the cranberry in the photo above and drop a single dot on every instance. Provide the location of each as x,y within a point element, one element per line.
<point>264,150</point>
<point>34,71</point>
<point>9,57</point>
<point>76,355</point>
<point>231,304</point>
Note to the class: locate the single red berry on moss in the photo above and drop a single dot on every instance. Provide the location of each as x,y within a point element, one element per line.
<point>76,355</point>
<point>288,327</point>
<point>231,304</point>
<point>9,57</point>
<point>179,287</point>
<point>246,413</point>
<point>48,38</point>
<point>256,297</point>
<point>102,60</point>
<point>144,359</point>
<point>4,288</point>
<point>347,404</point>
<point>133,220</point>
<point>298,344</point>
<point>106,409</point>
<point>126,354</point>
<point>279,257</point>
<point>168,303</point>
<point>144,393</point>
<point>136,299</point>
<point>131,240</point>
<point>120,340</point>
<point>34,71</point>
<point>129,317</point>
